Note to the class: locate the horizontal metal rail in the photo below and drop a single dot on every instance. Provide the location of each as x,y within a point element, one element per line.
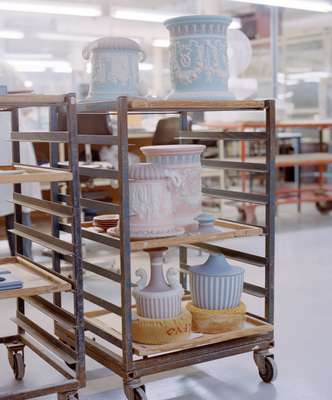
<point>96,269</point>
<point>90,326</point>
<point>205,135</point>
<point>97,205</point>
<point>236,196</point>
<point>47,356</point>
<point>58,314</point>
<point>49,137</point>
<point>107,305</point>
<point>240,256</point>
<point>238,165</point>
<point>254,290</point>
<point>55,345</point>
<point>97,139</point>
<point>96,237</point>
<point>49,207</point>
<point>43,239</point>
<point>99,172</point>
<point>71,385</point>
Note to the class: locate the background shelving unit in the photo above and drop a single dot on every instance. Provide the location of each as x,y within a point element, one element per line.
<point>37,279</point>
<point>112,322</point>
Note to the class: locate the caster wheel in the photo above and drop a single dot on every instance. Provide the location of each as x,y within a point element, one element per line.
<point>18,366</point>
<point>270,371</point>
<point>139,393</point>
<point>324,207</point>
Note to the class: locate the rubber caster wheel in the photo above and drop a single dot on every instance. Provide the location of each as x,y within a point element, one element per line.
<point>270,371</point>
<point>139,393</point>
<point>18,366</point>
<point>324,207</point>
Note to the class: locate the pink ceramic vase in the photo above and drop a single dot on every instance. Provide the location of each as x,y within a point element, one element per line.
<point>183,164</point>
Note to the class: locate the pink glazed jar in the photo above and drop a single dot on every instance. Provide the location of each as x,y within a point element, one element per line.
<point>183,164</point>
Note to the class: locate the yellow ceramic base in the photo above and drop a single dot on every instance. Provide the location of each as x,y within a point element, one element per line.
<point>161,331</point>
<point>216,321</point>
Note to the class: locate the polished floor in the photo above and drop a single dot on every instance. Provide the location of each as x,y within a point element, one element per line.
<point>303,330</point>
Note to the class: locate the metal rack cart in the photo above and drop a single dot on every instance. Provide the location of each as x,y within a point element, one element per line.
<point>37,279</point>
<point>112,322</point>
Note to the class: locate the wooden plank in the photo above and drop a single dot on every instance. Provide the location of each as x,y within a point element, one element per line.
<point>110,208</point>
<point>99,172</point>
<point>31,100</point>
<point>107,305</point>
<point>252,327</point>
<point>47,356</point>
<point>49,207</point>
<point>43,239</point>
<point>35,280</point>
<point>254,290</point>
<point>38,137</point>
<point>50,342</point>
<point>143,104</point>
<point>33,174</point>
<point>227,231</point>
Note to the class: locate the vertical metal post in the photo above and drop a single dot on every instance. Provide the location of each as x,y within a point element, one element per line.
<point>122,109</point>
<point>274,32</point>
<point>54,160</point>
<point>270,209</point>
<point>184,126</point>
<point>75,193</point>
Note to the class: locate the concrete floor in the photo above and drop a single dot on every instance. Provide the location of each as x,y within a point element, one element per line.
<point>303,330</point>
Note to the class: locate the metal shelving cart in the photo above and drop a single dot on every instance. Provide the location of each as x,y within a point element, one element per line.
<point>37,279</point>
<point>112,322</point>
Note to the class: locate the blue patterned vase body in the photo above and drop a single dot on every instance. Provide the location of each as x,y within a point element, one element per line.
<point>114,68</point>
<point>198,57</point>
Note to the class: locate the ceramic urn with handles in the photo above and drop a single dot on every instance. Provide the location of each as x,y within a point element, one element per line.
<point>114,68</point>
<point>198,57</point>
<point>216,285</point>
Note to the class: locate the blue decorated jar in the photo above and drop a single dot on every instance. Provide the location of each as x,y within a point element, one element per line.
<point>114,68</point>
<point>198,57</point>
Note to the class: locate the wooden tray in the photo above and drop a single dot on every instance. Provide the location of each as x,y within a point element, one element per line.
<point>32,174</point>
<point>111,323</point>
<point>35,280</point>
<point>227,230</point>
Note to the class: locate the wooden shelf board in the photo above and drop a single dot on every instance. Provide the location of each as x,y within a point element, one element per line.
<point>111,323</point>
<point>35,280</point>
<point>33,174</point>
<point>29,100</point>
<point>224,230</point>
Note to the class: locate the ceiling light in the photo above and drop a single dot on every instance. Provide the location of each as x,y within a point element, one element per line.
<point>28,84</point>
<point>160,43</point>
<point>28,56</point>
<point>65,37</point>
<point>145,66</point>
<point>60,8</point>
<point>140,15</point>
<point>34,65</point>
<point>307,5</point>
<point>10,34</point>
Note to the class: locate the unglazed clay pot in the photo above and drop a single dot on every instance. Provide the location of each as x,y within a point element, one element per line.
<point>159,299</point>
<point>183,164</point>
<point>114,62</point>
<point>198,57</point>
<point>151,206</point>
<point>216,285</point>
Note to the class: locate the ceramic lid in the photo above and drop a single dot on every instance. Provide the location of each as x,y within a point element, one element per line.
<point>111,42</point>
<point>173,149</point>
<point>205,218</point>
<point>216,265</point>
<point>144,171</point>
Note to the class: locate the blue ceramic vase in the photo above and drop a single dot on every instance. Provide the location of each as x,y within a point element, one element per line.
<point>198,57</point>
<point>114,68</point>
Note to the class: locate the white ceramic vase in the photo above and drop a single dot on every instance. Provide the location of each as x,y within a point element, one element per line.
<point>158,299</point>
<point>183,163</point>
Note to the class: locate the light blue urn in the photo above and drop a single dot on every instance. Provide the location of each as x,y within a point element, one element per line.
<point>198,57</point>
<point>114,68</point>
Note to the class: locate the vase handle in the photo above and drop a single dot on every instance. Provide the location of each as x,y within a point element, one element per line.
<point>142,282</point>
<point>174,176</point>
<point>172,278</point>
